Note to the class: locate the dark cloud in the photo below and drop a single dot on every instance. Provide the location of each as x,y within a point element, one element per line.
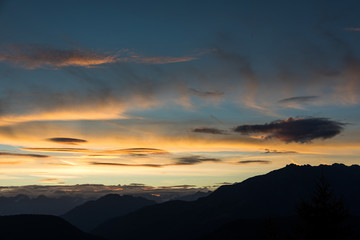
<point>295,130</point>
<point>208,130</point>
<point>192,160</point>
<point>23,155</point>
<point>71,141</point>
<point>254,161</point>
<point>271,151</point>
<point>205,93</point>
<point>300,99</point>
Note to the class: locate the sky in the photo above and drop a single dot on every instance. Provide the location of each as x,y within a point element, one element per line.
<point>173,93</point>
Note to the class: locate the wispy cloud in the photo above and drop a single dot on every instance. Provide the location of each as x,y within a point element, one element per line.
<point>8,154</point>
<point>353,29</point>
<point>51,180</point>
<point>274,151</point>
<point>127,165</point>
<point>300,99</point>
<point>205,93</point>
<point>154,60</point>
<point>70,150</point>
<point>33,56</point>
<point>180,161</point>
<point>295,130</point>
<point>111,152</point>
<point>208,130</point>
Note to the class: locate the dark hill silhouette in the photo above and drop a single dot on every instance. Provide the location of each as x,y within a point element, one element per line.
<point>39,227</point>
<point>22,204</point>
<point>92,213</point>
<point>271,195</point>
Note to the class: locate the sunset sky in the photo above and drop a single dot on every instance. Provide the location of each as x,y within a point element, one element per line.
<point>167,93</point>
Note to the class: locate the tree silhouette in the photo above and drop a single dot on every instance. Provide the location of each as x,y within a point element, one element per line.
<point>324,217</point>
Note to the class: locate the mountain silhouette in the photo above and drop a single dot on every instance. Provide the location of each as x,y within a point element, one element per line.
<point>22,204</point>
<point>39,227</point>
<point>92,213</point>
<point>275,194</point>
<point>193,197</point>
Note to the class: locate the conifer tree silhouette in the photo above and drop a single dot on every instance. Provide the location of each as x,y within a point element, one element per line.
<point>324,217</point>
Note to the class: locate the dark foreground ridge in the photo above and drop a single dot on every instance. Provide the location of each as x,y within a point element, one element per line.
<point>274,195</point>
<point>39,227</point>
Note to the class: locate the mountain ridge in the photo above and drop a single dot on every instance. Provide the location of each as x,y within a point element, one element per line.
<point>90,214</point>
<point>273,194</point>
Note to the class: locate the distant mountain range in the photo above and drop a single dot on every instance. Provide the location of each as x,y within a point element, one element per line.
<point>271,195</point>
<point>90,214</point>
<point>193,197</point>
<point>40,227</point>
<point>240,211</point>
<point>22,204</point>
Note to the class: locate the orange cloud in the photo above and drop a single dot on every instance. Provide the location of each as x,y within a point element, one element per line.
<point>33,56</point>
<point>51,180</point>
<point>10,163</point>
